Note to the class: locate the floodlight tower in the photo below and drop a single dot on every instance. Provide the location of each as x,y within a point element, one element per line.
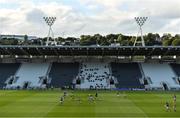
<point>140,21</point>
<point>50,21</point>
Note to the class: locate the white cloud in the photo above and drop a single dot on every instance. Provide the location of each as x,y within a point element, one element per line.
<point>108,16</point>
<point>106,3</point>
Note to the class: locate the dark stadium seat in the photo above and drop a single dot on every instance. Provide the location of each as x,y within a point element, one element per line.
<point>176,68</point>
<point>7,70</point>
<point>62,74</point>
<point>127,74</point>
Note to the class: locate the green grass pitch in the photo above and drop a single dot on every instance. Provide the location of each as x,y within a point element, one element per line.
<point>46,104</point>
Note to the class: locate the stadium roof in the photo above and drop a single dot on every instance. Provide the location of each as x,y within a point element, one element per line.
<point>89,51</point>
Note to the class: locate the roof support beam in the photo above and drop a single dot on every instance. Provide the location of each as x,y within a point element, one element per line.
<point>6,50</point>
<point>169,49</point>
<point>55,51</point>
<point>118,52</point>
<point>102,52</point>
<point>87,51</point>
<point>149,54</point>
<point>71,50</point>
<point>25,52</point>
<point>135,51</point>
<point>39,51</point>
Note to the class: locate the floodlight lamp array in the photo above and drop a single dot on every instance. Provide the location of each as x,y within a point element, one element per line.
<point>141,20</point>
<point>49,20</point>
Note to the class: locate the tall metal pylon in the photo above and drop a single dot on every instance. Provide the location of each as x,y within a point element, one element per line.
<point>50,21</point>
<point>140,21</point>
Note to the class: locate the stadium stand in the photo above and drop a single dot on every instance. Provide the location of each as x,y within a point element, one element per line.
<point>94,75</point>
<point>6,71</point>
<point>127,74</point>
<point>98,67</point>
<point>30,75</point>
<point>62,74</point>
<point>176,68</point>
<point>161,76</point>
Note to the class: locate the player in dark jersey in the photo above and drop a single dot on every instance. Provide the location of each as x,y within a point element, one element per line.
<point>174,103</point>
<point>61,100</point>
<point>96,95</point>
<point>174,97</point>
<point>167,106</point>
<point>174,106</point>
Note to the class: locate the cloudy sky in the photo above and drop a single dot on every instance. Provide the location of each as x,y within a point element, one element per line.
<point>76,17</point>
